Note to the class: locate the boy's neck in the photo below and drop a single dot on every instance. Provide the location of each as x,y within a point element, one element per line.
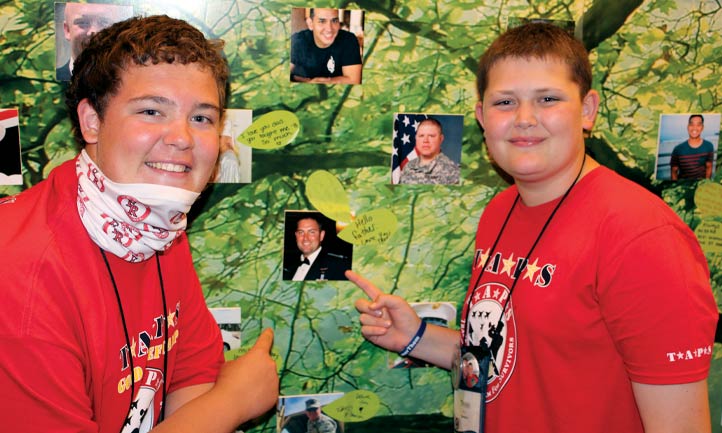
<point>535,194</point>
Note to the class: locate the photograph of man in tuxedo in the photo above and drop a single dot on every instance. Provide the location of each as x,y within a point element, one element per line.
<point>312,249</point>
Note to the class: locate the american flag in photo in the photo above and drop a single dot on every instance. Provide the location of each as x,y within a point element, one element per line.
<point>404,142</point>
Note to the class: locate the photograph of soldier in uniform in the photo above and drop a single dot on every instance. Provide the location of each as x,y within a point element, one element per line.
<point>304,414</point>
<point>426,148</point>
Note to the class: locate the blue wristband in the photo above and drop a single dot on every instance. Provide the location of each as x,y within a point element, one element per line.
<point>414,341</point>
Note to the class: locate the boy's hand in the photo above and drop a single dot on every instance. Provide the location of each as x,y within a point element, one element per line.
<point>252,379</point>
<point>386,320</point>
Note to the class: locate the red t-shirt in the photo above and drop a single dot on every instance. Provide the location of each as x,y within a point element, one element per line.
<point>64,364</point>
<point>617,290</point>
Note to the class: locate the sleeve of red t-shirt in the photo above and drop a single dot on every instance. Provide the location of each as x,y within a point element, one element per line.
<point>656,300</point>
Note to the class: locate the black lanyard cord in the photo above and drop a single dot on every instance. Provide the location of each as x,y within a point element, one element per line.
<point>161,416</point>
<point>499,325</point>
<point>127,337</point>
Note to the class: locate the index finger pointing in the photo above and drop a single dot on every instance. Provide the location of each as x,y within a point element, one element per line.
<point>367,286</point>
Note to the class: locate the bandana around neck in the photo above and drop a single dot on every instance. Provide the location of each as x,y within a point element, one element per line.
<point>131,220</point>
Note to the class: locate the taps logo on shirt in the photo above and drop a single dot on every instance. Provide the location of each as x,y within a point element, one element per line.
<point>484,327</point>
<point>483,322</point>
<point>149,345</point>
<point>141,415</point>
<point>515,267</point>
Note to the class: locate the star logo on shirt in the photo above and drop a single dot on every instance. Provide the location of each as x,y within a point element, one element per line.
<point>531,270</point>
<point>508,265</point>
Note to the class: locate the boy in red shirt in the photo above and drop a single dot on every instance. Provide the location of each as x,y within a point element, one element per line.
<point>589,296</point>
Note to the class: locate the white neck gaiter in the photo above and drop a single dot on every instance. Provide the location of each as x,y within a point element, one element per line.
<point>130,220</point>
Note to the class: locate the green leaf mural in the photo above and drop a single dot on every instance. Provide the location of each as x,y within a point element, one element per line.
<point>650,57</point>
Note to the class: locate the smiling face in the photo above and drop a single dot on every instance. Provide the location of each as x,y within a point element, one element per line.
<point>308,236</point>
<point>533,119</point>
<point>325,26</point>
<point>428,141</point>
<point>156,128</point>
<point>695,127</point>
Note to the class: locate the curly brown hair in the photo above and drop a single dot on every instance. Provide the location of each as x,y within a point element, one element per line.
<point>141,41</point>
<point>539,41</point>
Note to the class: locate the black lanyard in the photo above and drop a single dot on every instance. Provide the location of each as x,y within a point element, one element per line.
<point>482,353</point>
<point>528,255</point>
<point>161,416</point>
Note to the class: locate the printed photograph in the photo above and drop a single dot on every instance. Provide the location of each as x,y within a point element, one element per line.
<point>304,414</point>
<point>426,148</point>
<point>687,146</point>
<point>326,45</point>
<point>229,322</point>
<point>234,160</point>
<point>75,23</point>
<point>10,164</point>
<point>312,249</point>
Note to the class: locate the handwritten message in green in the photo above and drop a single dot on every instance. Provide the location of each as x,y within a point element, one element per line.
<point>271,131</point>
<point>355,406</point>
<point>372,227</point>
<point>709,233</point>
<point>329,197</point>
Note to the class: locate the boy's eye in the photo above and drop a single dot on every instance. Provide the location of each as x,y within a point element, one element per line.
<point>150,112</point>
<point>202,119</point>
<point>549,99</point>
<point>503,102</point>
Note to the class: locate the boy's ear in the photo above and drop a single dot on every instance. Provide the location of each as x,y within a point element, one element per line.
<point>89,122</point>
<point>479,112</point>
<point>590,106</point>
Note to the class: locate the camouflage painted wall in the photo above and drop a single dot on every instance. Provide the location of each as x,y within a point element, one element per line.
<point>650,57</point>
